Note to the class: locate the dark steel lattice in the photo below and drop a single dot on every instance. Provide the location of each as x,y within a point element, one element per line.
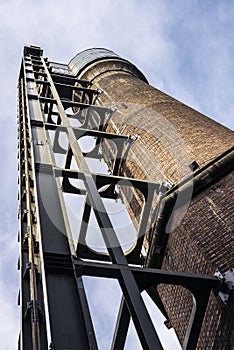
<point>54,307</point>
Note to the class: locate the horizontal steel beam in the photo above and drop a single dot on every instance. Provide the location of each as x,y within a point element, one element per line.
<point>102,180</point>
<point>147,277</point>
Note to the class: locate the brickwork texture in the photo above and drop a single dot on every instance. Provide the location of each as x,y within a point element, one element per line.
<point>170,135</point>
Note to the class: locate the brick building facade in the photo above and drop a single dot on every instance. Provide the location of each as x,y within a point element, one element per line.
<point>171,138</point>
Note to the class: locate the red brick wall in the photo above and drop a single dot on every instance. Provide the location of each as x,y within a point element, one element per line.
<point>202,243</point>
<point>170,136</point>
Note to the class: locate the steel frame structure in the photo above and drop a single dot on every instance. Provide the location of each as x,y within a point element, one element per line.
<point>54,307</point>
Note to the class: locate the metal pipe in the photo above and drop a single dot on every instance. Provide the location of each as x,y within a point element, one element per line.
<point>201,180</point>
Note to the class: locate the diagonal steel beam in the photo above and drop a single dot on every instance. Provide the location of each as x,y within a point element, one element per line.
<point>121,328</point>
<point>141,318</point>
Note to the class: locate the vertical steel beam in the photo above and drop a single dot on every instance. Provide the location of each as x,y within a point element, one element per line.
<point>32,303</point>
<point>196,318</point>
<point>65,323</point>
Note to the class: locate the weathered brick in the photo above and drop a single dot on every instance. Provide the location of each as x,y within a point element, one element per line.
<point>171,136</point>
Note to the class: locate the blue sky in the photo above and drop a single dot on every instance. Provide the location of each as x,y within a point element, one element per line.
<point>184,47</point>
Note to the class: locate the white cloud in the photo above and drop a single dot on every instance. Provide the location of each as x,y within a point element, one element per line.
<point>9,318</point>
<point>204,48</point>
<point>104,301</point>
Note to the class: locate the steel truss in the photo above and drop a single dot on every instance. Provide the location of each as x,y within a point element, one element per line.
<point>54,308</point>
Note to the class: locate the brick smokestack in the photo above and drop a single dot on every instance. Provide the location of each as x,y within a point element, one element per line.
<point>175,145</point>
